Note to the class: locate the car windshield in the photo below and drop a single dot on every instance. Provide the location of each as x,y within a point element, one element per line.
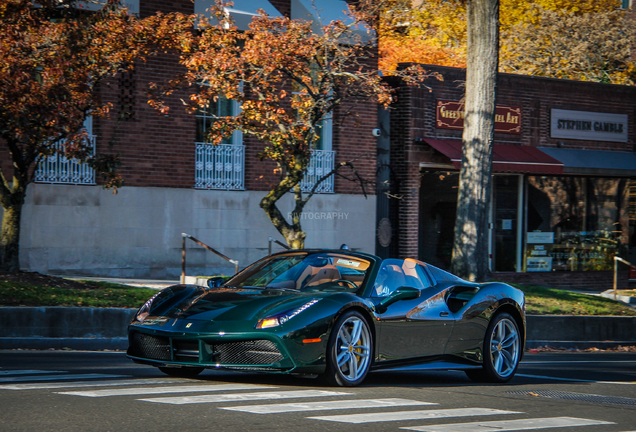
<point>304,272</point>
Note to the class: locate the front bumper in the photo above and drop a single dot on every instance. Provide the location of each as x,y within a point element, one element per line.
<point>183,350</point>
<point>264,352</point>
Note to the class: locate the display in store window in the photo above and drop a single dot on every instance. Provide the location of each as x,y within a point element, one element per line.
<point>575,223</point>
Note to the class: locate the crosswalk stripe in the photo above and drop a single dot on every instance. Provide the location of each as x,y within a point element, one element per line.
<point>166,389</point>
<point>245,397</point>
<point>509,425</point>
<point>59,377</point>
<point>28,372</point>
<point>81,384</point>
<point>413,415</point>
<point>327,405</point>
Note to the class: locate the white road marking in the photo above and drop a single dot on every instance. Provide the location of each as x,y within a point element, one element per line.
<point>413,415</point>
<point>59,377</point>
<point>244,397</point>
<point>28,372</point>
<point>81,384</point>
<point>165,389</point>
<point>575,380</point>
<point>328,405</point>
<point>509,425</point>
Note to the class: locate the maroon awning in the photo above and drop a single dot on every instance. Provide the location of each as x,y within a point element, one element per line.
<point>505,158</point>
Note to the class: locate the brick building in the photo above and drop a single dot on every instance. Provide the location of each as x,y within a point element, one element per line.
<point>175,184</point>
<point>563,166</point>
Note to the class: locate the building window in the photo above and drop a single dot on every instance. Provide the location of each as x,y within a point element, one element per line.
<point>627,4</point>
<point>322,160</point>
<point>58,169</point>
<point>219,166</point>
<point>575,223</point>
<point>320,164</point>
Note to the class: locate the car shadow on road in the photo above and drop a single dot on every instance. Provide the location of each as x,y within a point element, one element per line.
<point>413,379</point>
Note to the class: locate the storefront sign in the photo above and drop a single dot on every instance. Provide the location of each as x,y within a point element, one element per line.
<point>450,115</point>
<point>587,125</point>
<point>538,251</point>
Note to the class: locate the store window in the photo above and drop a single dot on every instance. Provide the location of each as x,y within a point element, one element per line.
<point>575,223</point>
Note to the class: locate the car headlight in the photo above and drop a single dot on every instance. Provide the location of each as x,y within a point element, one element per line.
<point>281,318</point>
<point>144,310</point>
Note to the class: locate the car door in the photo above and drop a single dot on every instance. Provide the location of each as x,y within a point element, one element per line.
<point>413,328</point>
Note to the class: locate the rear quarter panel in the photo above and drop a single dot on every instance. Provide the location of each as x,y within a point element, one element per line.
<point>471,321</point>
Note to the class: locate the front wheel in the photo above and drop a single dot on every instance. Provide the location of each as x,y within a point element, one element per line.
<point>502,351</point>
<point>350,351</point>
<point>182,372</point>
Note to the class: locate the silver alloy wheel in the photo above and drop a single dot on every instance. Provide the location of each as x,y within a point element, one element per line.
<point>353,348</point>
<point>504,348</point>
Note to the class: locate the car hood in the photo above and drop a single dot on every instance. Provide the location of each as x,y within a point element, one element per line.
<point>228,304</point>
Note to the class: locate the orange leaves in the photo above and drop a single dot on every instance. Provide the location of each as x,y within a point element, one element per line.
<point>394,50</point>
<point>435,32</point>
<point>53,55</point>
<point>288,76</point>
<point>587,47</point>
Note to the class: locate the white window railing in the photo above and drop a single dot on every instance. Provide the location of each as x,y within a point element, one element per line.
<point>320,164</point>
<point>220,166</point>
<point>59,169</point>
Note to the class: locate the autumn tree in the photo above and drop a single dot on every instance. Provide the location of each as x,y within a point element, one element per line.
<point>594,46</point>
<point>583,40</point>
<point>431,32</point>
<point>54,55</point>
<point>288,78</point>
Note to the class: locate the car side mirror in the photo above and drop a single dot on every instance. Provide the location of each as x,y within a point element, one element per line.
<point>402,293</point>
<point>215,282</point>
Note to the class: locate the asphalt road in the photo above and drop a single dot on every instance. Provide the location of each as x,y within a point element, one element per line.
<point>104,391</point>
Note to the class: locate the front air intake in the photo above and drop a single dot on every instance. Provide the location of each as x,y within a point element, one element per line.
<point>149,346</point>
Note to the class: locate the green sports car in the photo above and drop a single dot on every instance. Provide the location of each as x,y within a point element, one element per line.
<point>334,313</point>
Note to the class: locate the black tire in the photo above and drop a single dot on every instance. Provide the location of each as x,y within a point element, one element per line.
<point>502,351</point>
<point>182,372</point>
<point>350,351</point>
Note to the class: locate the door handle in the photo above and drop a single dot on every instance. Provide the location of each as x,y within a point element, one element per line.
<point>443,314</point>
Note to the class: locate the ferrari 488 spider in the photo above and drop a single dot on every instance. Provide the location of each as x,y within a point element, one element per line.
<point>334,313</point>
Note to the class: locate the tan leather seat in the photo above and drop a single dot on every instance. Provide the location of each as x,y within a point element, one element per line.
<point>328,273</point>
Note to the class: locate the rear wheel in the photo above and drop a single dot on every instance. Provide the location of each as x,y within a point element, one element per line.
<point>182,372</point>
<point>502,351</point>
<point>350,351</point>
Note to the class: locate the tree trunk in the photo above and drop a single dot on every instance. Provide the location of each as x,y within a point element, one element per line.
<point>470,247</point>
<point>292,232</point>
<point>10,237</point>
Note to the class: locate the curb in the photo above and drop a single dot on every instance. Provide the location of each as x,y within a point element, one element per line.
<point>76,344</point>
<point>105,329</point>
<point>625,299</point>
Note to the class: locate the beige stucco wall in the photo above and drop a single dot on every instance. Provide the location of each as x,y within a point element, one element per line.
<point>85,230</point>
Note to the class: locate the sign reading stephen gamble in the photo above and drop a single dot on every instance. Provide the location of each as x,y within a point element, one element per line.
<point>587,125</point>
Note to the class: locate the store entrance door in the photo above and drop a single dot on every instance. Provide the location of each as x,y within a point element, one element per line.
<point>506,223</point>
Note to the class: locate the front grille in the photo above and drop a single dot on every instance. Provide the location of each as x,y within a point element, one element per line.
<point>257,352</point>
<point>186,351</point>
<point>149,346</point>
